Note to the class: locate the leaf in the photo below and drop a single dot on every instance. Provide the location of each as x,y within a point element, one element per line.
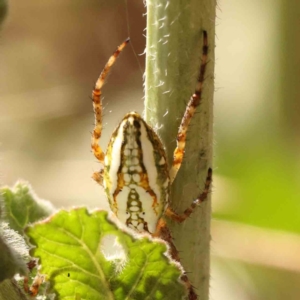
<point>73,251</point>
<point>20,206</point>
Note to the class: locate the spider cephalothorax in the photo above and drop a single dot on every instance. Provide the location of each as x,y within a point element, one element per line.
<point>135,173</point>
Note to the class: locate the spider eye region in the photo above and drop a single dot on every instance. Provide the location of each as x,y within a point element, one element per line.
<point>136,174</point>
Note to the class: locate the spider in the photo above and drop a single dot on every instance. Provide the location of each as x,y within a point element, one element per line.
<point>135,174</point>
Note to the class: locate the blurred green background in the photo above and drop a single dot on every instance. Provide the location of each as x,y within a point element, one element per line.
<point>51,53</point>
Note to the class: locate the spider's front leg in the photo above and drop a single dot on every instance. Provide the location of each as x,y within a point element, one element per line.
<point>97,105</point>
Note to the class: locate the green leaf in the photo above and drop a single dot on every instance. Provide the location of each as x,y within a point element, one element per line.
<point>20,206</point>
<point>80,263</point>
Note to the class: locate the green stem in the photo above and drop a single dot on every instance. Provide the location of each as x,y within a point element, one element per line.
<point>174,41</point>
<point>10,290</point>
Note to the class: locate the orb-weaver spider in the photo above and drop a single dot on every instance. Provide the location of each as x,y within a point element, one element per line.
<point>135,174</point>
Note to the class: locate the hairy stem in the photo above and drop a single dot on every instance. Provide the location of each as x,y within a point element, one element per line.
<point>174,47</point>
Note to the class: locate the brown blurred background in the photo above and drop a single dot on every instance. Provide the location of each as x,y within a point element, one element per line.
<point>51,53</point>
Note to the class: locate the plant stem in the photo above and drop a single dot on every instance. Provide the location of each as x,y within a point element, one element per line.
<point>174,48</point>
<point>10,290</point>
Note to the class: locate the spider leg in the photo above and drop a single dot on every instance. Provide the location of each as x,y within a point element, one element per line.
<point>97,104</point>
<point>98,177</point>
<point>34,289</point>
<point>38,280</point>
<point>162,231</point>
<point>189,113</point>
<point>201,198</point>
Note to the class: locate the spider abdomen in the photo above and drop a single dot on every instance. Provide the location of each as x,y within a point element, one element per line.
<point>136,175</point>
